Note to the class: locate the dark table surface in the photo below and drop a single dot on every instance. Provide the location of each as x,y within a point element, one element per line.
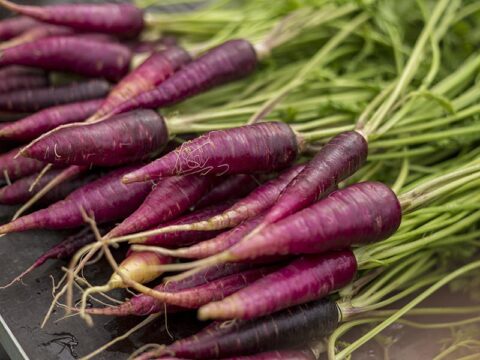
<point>23,306</point>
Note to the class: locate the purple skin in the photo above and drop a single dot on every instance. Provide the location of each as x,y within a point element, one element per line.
<point>17,70</point>
<point>230,61</point>
<point>234,187</point>
<point>195,297</point>
<point>121,139</point>
<point>79,55</point>
<point>35,125</point>
<point>169,198</point>
<point>153,71</point>
<point>183,238</point>
<point>262,147</point>
<point>23,82</point>
<point>29,101</point>
<point>119,19</point>
<point>251,206</point>
<point>107,199</point>
<point>219,243</point>
<point>18,192</point>
<point>304,279</point>
<point>362,213</point>
<point>286,329</point>
<point>341,157</point>
<point>38,32</point>
<point>142,305</point>
<point>19,167</point>
<point>9,28</point>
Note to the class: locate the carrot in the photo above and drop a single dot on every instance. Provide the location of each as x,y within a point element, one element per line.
<point>118,19</point>
<point>234,187</point>
<point>229,61</point>
<point>249,207</point>
<point>107,198</point>
<point>260,147</point>
<point>214,290</point>
<point>170,198</point>
<point>210,247</point>
<point>123,138</point>
<point>19,191</point>
<point>79,55</point>
<point>342,156</point>
<point>22,82</point>
<point>33,100</point>
<point>289,328</point>
<point>15,168</point>
<point>38,32</point>
<point>63,250</point>
<point>141,305</point>
<point>181,238</point>
<point>36,124</point>
<point>12,27</point>
<point>366,212</point>
<point>140,266</point>
<point>304,279</point>
<point>154,70</point>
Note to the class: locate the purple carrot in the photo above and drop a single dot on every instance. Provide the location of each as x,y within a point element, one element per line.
<point>195,297</point>
<point>170,198</point>
<point>234,187</point>
<point>18,192</point>
<point>35,125</point>
<point>153,71</point>
<point>63,250</point>
<point>106,198</point>
<point>29,101</point>
<point>182,238</point>
<point>38,32</point>
<point>251,206</point>
<point>262,147</point>
<point>341,157</point>
<point>304,279</point>
<point>278,355</point>
<point>213,246</point>
<point>79,55</point>
<point>292,327</point>
<point>361,213</point>
<point>232,60</point>
<point>118,19</point>
<point>12,27</point>
<point>142,305</point>
<point>123,138</point>
<point>23,82</point>
<point>15,168</point>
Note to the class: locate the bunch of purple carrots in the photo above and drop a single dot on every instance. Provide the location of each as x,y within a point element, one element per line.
<point>268,221</point>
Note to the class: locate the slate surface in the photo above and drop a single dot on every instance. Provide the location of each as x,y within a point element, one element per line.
<point>23,306</point>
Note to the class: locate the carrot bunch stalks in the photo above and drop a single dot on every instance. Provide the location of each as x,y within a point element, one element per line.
<point>276,217</point>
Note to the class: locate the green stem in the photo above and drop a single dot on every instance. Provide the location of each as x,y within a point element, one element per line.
<point>402,176</point>
<point>426,138</point>
<point>409,71</point>
<point>404,310</point>
<point>316,61</point>
<point>418,197</point>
